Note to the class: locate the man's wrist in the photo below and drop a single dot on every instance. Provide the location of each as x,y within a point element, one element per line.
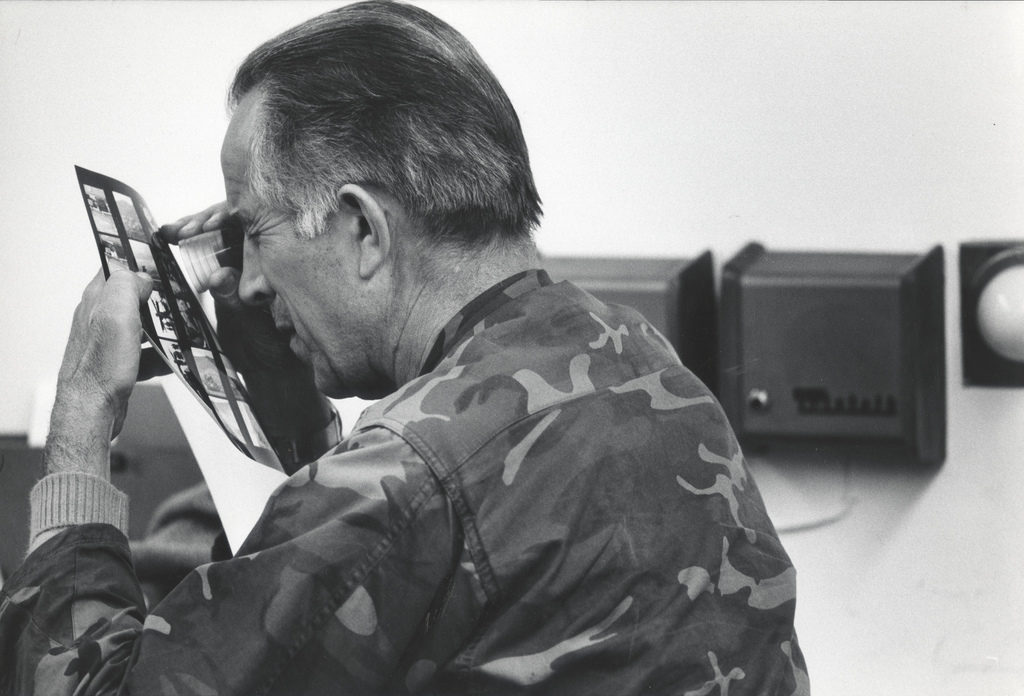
<point>79,436</point>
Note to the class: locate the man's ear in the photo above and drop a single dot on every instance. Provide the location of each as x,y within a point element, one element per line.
<point>367,224</point>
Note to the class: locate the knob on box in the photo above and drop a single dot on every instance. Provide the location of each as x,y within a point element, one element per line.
<point>835,351</point>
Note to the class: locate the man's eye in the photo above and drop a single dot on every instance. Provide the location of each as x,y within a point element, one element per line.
<point>248,230</point>
<point>232,231</point>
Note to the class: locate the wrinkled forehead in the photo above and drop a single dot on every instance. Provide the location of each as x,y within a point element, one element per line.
<point>235,151</point>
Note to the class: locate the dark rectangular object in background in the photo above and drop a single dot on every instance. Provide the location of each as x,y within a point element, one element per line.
<point>841,352</point>
<point>676,295</point>
<point>149,461</point>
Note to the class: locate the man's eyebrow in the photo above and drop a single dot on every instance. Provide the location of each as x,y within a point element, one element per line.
<point>238,217</point>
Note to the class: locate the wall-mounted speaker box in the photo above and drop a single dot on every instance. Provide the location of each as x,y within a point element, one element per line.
<point>676,295</point>
<point>838,353</point>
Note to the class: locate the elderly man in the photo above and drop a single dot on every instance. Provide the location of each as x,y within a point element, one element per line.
<point>543,500</point>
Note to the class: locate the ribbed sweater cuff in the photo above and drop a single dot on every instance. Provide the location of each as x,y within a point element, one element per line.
<point>68,498</point>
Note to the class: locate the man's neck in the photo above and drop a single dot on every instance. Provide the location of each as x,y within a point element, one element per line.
<point>432,299</point>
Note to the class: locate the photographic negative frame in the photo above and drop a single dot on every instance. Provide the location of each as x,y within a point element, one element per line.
<point>113,252</point>
<point>98,206</point>
<point>211,376</point>
<point>130,221</point>
<point>173,319</point>
<point>143,258</point>
<point>180,359</point>
<point>163,321</point>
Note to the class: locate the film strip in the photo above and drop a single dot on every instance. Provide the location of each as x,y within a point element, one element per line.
<point>173,320</point>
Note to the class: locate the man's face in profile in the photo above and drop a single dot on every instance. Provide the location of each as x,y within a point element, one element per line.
<point>307,283</point>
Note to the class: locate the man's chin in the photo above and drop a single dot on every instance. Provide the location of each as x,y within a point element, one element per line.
<point>332,386</point>
<point>329,385</point>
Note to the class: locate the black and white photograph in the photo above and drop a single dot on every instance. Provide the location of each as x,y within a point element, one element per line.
<point>130,218</point>
<point>184,310</point>
<point>163,321</point>
<point>612,348</point>
<point>190,322</point>
<point>113,250</point>
<point>143,256</point>
<point>99,210</point>
<point>176,287</point>
<point>173,350</point>
<point>148,220</point>
<point>209,375</point>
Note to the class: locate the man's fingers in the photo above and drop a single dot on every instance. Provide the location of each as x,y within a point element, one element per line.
<point>224,286</point>
<point>192,224</point>
<point>94,287</point>
<point>189,226</point>
<point>216,220</point>
<point>143,286</point>
<point>140,284</point>
<point>99,287</point>
<point>102,354</point>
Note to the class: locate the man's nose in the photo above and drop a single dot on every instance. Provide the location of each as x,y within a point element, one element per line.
<point>253,288</point>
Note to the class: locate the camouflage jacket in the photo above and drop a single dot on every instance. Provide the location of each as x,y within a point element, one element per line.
<point>556,506</point>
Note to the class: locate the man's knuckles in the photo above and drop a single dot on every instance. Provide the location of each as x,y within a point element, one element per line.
<point>209,219</point>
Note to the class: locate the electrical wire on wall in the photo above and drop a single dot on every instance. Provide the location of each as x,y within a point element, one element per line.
<point>784,497</point>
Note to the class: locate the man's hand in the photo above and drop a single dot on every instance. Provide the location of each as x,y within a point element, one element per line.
<point>281,387</point>
<point>246,333</point>
<point>101,363</point>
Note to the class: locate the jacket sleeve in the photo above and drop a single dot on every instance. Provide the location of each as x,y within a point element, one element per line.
<point>337,577</point>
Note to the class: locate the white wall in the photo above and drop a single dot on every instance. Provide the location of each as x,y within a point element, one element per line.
<point>658,129</point>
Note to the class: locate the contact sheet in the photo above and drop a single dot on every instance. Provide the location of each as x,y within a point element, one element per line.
<point>173,320</point>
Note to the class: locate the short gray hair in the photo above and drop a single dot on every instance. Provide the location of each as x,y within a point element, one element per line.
<point>387,95</point>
